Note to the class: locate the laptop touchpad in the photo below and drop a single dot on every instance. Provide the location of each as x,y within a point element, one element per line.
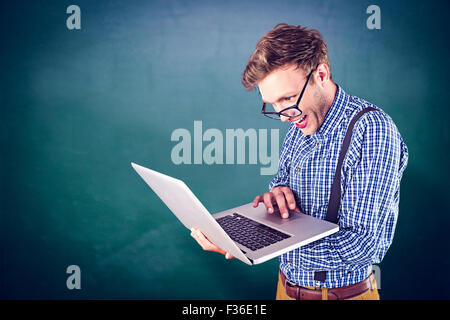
<point>275,217</point>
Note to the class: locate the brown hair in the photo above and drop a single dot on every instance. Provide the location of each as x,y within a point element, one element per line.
<point>283,45</point>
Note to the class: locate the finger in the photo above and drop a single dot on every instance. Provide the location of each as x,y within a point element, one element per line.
<point>200,238</point>
<point>257,200</point>
<point>289,198</point>
<point>268,202</point>
<point>228,256</point>
<point>205,243</point>
<point>281,201</point>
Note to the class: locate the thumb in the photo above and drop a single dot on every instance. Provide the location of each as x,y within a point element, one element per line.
<point>228,256</point>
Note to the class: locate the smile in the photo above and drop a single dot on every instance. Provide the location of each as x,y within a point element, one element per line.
<point>302,122</point>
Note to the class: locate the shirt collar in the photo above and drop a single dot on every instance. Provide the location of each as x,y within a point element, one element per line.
<point>334,115</point>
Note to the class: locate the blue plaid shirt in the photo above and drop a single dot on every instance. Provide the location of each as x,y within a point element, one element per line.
<point>370,189</point>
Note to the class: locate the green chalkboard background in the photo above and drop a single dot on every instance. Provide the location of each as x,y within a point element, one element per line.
<point>77,106</point>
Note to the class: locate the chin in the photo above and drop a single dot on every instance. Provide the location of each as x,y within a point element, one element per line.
<point>308,131</point>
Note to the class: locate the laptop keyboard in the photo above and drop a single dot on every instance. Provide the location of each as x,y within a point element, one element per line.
<point>250,233</point>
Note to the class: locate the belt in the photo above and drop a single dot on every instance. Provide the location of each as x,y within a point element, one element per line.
<point>302,293</point>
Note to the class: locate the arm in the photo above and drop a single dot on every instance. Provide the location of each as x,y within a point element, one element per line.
<point>368,212</point>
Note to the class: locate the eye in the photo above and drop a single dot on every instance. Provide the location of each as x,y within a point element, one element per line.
<point>289,98</point>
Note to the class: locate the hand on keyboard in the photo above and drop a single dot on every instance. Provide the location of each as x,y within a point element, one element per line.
<point>281,196</point>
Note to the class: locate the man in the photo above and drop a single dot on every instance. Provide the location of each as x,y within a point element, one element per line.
<point>290,66</point>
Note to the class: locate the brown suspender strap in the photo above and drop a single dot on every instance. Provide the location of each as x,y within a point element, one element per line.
<point>335,196</point>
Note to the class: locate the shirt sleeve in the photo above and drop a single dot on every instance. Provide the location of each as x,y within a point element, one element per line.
<point>282,177</point>
<point>368,211</point>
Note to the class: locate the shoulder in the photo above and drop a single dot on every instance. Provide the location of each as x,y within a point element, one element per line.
<point>374,134</point>
<point>376,123</point>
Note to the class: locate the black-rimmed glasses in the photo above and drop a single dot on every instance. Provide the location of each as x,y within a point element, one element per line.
<point>289,112</point>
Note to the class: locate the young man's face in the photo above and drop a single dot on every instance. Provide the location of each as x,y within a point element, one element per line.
<point>282,87</point>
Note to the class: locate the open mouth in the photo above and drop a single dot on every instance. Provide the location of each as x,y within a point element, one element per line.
<point>302,122</point>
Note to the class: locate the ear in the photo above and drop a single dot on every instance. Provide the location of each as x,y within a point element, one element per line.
<point>322,75</point>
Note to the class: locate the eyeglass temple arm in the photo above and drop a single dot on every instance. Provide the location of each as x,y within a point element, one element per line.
<point>304,88</point>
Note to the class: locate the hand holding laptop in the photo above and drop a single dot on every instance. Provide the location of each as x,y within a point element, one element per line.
<point>245,232</point>
<point>281,196</point>
<point>206,244</point>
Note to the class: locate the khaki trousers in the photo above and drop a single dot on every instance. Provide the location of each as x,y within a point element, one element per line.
<point>371,294</point>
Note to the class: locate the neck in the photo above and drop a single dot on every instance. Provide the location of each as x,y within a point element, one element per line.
<point>330,94</point>
<point>326,98</point>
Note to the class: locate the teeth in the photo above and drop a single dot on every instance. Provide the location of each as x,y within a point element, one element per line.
<point>300,120</point>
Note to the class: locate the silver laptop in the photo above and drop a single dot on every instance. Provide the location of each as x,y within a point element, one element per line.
<point>249,234</point>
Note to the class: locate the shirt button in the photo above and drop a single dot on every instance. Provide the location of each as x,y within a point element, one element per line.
<point>298,169</point>
<point>317,144</point>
